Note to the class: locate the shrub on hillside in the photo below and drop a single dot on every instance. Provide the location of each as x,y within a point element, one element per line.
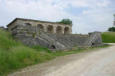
<point>111,29</point>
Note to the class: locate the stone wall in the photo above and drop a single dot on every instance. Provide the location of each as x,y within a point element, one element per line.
<point>94,39</point>
<point>51,27</point>
<point>33,35</point>
<point>30,37</point>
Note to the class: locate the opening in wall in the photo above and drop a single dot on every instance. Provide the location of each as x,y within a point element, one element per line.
<point>40,27</point>
<point>50,29</point>
<point>66,30</point>
<point>59,30</point>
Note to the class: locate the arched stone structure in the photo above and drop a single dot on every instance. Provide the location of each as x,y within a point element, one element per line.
<point>45,26</point>
<point>50,29</point>
<point>66,30</point>
<point>40,27</point>
<point>27,24</point>
<point>59,30</point>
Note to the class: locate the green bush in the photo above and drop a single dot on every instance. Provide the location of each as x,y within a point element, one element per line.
<point>66,21</point>
<point>111,29</point>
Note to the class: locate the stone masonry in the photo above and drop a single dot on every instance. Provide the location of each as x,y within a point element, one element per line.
<point>52,35</point>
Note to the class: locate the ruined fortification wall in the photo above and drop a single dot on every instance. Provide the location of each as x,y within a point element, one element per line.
<point>30,34</point>
<point>94,39</point>
<point>30,37</point>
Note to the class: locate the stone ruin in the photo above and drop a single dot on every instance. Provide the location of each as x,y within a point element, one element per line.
<point>52,35</point>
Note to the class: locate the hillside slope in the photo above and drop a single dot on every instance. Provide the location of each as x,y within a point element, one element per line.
<point>108,37</point>
<point>15,55</point>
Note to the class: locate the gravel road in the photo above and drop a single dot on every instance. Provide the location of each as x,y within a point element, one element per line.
<point>100,62</point>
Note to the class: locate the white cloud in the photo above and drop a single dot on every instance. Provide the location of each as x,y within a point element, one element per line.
<point>105,3</point>
<point>98,15</point>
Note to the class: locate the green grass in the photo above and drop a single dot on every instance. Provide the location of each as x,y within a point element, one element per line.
<point>108,37</point>
<point>14,55</point>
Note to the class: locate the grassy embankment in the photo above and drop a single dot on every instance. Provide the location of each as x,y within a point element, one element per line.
<point>14,55</point>
<point>108,37</point>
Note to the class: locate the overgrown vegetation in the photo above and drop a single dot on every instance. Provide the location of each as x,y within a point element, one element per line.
<point>111,29</point>
<point>14,55</point>
<point>108,37</point>
<point>66,21</point>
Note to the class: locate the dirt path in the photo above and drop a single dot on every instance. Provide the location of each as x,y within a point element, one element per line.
<point>96,63</point>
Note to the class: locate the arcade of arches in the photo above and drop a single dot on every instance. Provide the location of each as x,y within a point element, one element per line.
<point>53,29</point>
<point>58,30</point>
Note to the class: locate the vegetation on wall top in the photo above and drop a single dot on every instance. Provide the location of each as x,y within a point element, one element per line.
<point>66,21</point>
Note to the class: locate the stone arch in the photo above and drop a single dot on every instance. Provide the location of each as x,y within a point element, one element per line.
<point>40,27</point>
<point>53,47</point>
<point>59,30</point>
<point>27,24</point>
<point>66,30</point>
<point>50,29</point>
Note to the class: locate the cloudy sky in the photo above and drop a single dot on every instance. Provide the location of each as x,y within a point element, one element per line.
<point>87,15</point>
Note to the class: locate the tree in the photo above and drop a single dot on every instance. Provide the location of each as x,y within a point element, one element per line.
<point>66,21</point>
<point>112,29</point>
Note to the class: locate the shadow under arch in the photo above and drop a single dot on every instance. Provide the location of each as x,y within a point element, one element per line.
<point>66,30</point>
<point>59,30</point>
<point>40,27</point>
<point>50,29</point>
